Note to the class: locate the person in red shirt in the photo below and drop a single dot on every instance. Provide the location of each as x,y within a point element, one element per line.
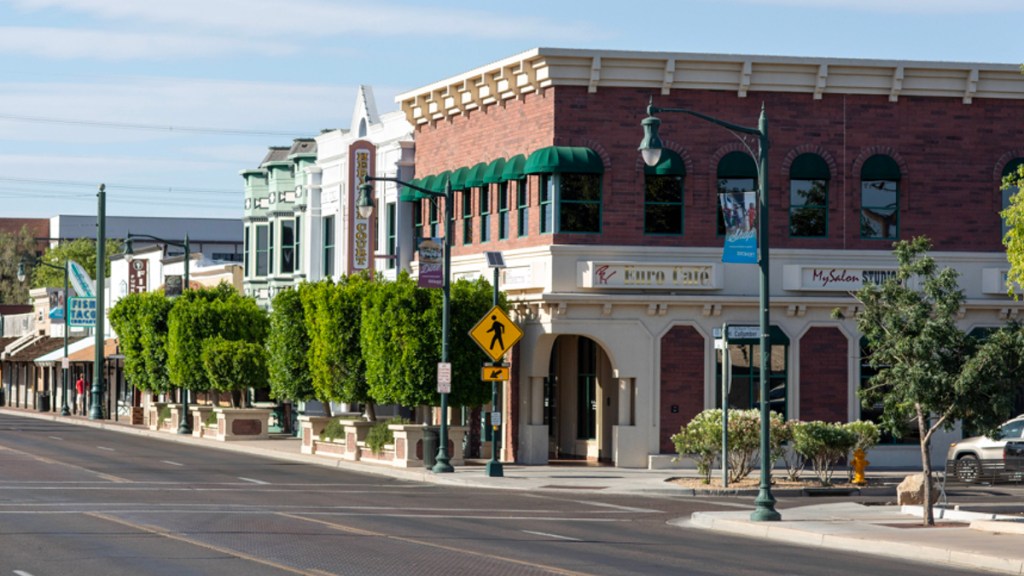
<point>80,395</point>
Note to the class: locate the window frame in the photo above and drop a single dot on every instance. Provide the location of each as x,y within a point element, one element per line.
<point>503,210</point>
<point>523,207</point>
<point>880,168</point>
<point>649,204</point>
<point>484,208</point>
<point>327,255</point>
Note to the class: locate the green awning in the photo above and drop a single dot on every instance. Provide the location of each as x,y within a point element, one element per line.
<point>459,176</point>
<point>809,167</point>
<point>564,159</point>
<point>476,175</point>
<point>880,167</point>
<point>439,181</point>
<point>406,194</point>
<point>671,164</point>
<point>737,165</point>
<point>492,175</point>
<point>514,168</point>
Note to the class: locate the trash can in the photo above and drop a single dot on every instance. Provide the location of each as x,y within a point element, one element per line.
<point>43,401</point>
<point>430,444</point>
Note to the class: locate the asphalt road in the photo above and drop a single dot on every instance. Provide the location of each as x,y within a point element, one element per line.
<point>83,501</point>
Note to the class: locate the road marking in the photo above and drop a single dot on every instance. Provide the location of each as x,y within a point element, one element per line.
<point>108,449</point>
<point>549,535</point>
<point>618,507</point>
<point>253,480</point>
<point>172,463</point>
<point>57,438</point>
<point>21,573</point>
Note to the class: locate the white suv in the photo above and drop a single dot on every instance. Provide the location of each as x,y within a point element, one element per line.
<point>966,457</point>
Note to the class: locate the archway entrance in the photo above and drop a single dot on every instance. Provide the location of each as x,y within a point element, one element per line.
<point>581,403</point>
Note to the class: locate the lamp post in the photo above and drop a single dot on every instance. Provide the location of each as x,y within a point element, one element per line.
<point>63,368</point>
<point>365,205</point>
<point>184,426</point>
<point>494,467</point>
<point>650,149</point>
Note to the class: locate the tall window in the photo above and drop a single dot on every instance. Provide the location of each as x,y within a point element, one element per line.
<point>391,231</point>
<point>879,198</point>
<point>808,197</point>
<point>328,254</point>
<point>737,172</point>
<point>467,217</point>
<point>579,202</point>
<point>432,208</point>
<point>417,219</point>
<point>1008,192</point>
<point>270,251</point>
<point>287,246</point>
<point>663,195</point>
<point>245,252</point>
<point>262,250</point>
<point>485,214</point>
<point>745,364</point>
<point>523,206</point>
<point>503,210</point>
<point>586,389</point>
<point>298,243</point>
<point>547,202</point>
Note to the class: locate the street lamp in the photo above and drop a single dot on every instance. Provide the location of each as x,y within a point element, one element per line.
<point>63,367</point>
<point>184,426</point>
<point>650,149</point>
<point>365,206</point>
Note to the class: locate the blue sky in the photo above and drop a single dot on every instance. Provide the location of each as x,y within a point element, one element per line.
<point>165,101</point>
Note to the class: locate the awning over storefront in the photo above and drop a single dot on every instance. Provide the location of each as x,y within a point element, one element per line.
<point>492,174</point>
<point>564,159</point>
<point>476,175</point>
<point>51,358</point>
<point>459,176</point>
<point>88,354</point>
<point>514,168</point>
<point>439,181</point>
<point>671,164</point>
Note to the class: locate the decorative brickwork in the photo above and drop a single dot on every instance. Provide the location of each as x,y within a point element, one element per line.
<point>682,381</point>
<point>823,375</point>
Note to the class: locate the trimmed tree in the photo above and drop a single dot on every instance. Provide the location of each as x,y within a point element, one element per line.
<point>287,349</point>
<point>232,366</point>
<point>930,371</point>
<point>140,321</point>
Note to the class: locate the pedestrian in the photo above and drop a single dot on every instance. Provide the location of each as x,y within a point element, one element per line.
<point>80,395</point>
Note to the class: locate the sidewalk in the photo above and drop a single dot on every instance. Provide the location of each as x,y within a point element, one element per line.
<point>968,540</point>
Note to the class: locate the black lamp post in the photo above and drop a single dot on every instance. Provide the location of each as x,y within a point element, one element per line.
<point>365,205</point>
<point>650,149</point>
<point>184,425</point>
<point>63,368</point>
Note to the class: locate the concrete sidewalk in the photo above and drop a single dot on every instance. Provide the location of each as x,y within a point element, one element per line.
<point>968,540</point>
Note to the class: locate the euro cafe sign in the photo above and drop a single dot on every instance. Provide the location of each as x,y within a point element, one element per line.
<point>649,276</point>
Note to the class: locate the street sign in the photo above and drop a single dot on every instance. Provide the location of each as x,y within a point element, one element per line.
<point>444,377</point>
<point>494,373</point>
<point>82,312</point>
<point>496,333</point>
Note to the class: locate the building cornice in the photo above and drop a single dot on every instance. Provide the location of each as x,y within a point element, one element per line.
<point>665,72</point>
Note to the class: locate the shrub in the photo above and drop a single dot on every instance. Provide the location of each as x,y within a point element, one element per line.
<point>211,419</point>
<point>824,445</point>
<point>333,430</point>
<point>701,440</point>
<point>162,416</point>
<point>794,460</point>
<point>866,433</point>
<point>380,434</point>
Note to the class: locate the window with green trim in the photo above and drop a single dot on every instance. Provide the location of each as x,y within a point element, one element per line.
<point>745,364</point>
<point>1008,192</point>
<point>808,197</point>
<point>262,248</point>
<point>287,246</point>
<point>245,251</point>
<point>663,205</point>
<point>879,198</point>
<point>432,208</point>
<point>329,242</point>
<point>523,206</point>
<point>298,243</point>
<point>579,202</point>
<point>467,217</point>
<point>485,214</point>
<point>503,210</point>
<point>270,251</point>
<point>547,203</point>
<point>737,172</point>
<point>391,233</point>
<point>417,219</point>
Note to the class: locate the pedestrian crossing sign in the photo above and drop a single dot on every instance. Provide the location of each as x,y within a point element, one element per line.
<point>496,333</point>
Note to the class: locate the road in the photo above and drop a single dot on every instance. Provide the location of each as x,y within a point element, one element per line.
<point>84,501</point>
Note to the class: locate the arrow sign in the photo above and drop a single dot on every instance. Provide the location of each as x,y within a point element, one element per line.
<point>494,373</point>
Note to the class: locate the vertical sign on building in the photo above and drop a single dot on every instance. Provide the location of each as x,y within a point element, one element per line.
<point>138,276</point>
<point>361,239</point>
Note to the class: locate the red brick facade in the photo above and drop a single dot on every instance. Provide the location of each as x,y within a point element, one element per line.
<point>824,375</point>
<point>682,381</point>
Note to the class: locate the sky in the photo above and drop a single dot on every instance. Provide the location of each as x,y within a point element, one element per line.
<point>166,101</point>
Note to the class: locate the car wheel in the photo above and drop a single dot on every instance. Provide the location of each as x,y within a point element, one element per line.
<point>967,468</point>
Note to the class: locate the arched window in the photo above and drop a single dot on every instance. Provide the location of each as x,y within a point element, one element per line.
<point>808,197</point>
<point>737,172</point>
<point>879,198</point>
<point>1008,192</point>
<point>663,195</point>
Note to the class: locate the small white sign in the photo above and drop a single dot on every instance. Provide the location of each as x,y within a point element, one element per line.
<point>444,377</point>
<point>65,363</point>
<point>495,418</point>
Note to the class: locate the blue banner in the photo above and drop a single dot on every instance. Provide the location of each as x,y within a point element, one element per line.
<point>739,210</point>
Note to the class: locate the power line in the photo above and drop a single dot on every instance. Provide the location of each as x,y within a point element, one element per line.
<point>113,186</point>
<point>148,127</point>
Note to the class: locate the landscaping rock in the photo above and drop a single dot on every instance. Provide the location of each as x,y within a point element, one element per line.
<point>911,491</point>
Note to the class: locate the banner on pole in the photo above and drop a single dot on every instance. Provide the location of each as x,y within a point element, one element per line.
<point>739,210</point>
<point>431,273</point>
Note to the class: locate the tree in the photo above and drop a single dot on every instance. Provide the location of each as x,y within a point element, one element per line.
<point>15,248</point>
<point>287,349</point>
<point>81,250</point>
<point>234,365</point>
<point>140,321</point>
<point>929,370</point>
<point>1013,216</point>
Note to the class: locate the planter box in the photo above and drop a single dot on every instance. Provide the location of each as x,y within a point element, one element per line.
<point>355,434</point>
<point>386,456</point>
<point>241,424</point>
<point>408,445</point>
<point>153,415</point>
<point>200,429</point>
<point>310,428</point>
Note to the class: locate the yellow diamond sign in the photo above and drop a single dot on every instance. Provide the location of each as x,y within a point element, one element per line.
<point>496,333</point>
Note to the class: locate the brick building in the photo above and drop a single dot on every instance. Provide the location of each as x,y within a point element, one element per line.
<point>615,269</point>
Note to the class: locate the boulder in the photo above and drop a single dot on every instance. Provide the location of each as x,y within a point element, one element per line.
<point>911,491</point>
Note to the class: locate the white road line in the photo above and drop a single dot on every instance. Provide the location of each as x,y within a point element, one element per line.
<point>552,536</point>
<point>617,507</point>
<point>253,480</point>
<point>106,448</point>
<point>57,438</point>
<point>172,463</point>
<point>21,573</point>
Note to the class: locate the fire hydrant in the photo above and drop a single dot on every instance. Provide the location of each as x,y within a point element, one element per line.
<point>859,464</point>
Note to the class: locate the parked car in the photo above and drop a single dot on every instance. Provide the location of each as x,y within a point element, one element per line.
<point>1013,455</point>
<point>976,457</point>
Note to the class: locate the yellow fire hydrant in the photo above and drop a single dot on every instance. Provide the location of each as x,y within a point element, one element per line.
<point>859,464</point>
